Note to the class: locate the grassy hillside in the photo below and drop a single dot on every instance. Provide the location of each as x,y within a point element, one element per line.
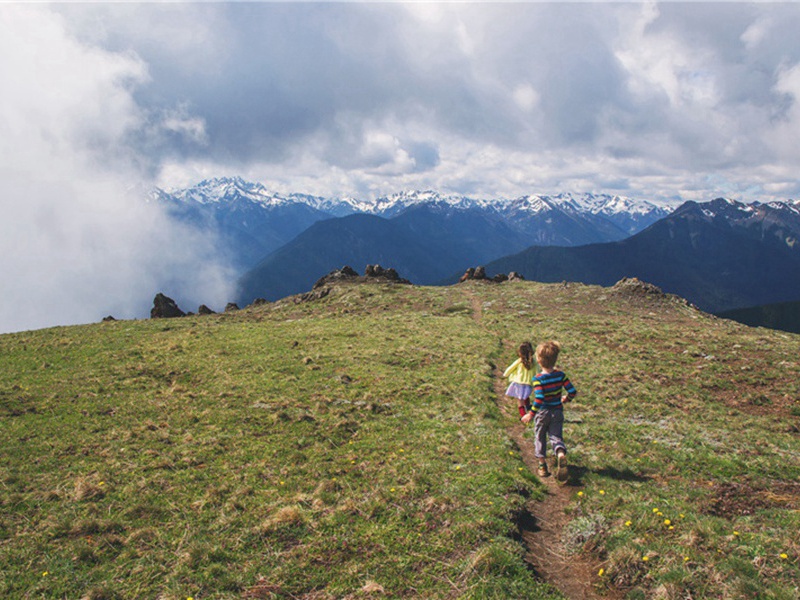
<point>353,447</point>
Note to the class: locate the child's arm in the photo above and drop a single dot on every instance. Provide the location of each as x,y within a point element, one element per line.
<point>538,394</point>
<point>570,389</point>
<point>511,367</point>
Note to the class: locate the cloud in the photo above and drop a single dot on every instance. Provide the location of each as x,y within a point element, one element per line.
<point>77,241</point>
<point>359,90</point>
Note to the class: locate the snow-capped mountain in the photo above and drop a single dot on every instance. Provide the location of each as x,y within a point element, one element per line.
<point>232,189</point>
<point>771,222</point>
<point>720,255</point>
<point>251,221</point>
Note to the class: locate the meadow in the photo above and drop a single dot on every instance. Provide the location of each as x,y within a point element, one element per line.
<point>353,447</point>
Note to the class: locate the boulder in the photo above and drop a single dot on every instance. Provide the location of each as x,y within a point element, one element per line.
<point>165,307</point>
<point>477,273</point>
<point>204,310</point>
<point>387,274</point>
<point>344,273</point>
<point>468,274</point>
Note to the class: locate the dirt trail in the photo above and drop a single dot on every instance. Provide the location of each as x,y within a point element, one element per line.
<point>543,528</point>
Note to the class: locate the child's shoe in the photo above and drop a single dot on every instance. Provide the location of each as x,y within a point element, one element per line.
<point>562,473</point>
<point>542,470</point>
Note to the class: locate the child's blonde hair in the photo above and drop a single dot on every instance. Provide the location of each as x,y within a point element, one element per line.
<point>547,354</point>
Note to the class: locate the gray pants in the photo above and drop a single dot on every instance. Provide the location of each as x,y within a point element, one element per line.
<point>549,423</point>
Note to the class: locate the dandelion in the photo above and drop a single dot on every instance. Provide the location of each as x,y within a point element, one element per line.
<point>601,572</point>
<point>602,492</point>
<point>667,522</point>
<point>645,558</point>
<point>580,494</point>
<point>735,533</point>
<point>627,523</point>
<point>655,510</point>
<point>45,574</point>
<point>391,490</point>
<point>685,559</point>
<point>682,516</point>
<point>101,483</point>
<point>784,556</point>
<point>671,527</point>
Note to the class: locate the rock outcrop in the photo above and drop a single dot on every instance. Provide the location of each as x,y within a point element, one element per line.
<point>371,273</point>
<point>479,274</point>
<point>165,307</point>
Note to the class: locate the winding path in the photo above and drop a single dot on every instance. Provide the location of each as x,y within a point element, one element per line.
<point>542,529</point>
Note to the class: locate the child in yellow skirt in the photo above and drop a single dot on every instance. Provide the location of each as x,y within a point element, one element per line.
<point>520,376</point>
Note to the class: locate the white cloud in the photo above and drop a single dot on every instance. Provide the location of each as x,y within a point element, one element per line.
<point>77,242</point>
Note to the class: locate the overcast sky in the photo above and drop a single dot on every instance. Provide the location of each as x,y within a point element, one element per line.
<point>100,101</point>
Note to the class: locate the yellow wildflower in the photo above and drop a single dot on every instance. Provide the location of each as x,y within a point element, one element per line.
<point>602,492</point>
<point>601,572</point>
<point>667,522</point>
<point>784,556</point>
<point>627,523</point>
<point>645,558</point>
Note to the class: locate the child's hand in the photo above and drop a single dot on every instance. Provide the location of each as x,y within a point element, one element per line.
<point>565,399</point>
<point>527,418</point>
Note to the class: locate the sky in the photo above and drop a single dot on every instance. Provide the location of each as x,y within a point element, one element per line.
<point>102,101</point>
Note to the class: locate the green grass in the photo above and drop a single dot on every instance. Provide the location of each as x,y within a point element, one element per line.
<point>352,446</point>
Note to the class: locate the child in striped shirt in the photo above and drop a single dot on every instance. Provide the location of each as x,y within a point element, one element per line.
<point>551,390</point>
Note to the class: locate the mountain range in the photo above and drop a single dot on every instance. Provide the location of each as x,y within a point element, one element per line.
<point>251,222</point>
<point>281,243</point>
<point>720,255</point>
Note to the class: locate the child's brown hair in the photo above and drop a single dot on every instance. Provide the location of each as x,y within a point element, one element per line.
<point>547,354</point>
<point>525,352</point>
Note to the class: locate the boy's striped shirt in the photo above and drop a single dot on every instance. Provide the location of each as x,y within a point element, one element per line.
<point>547,389</point>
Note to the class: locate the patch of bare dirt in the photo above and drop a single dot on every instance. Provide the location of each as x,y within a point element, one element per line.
<point>733,499</point>
<point>542,530</point>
